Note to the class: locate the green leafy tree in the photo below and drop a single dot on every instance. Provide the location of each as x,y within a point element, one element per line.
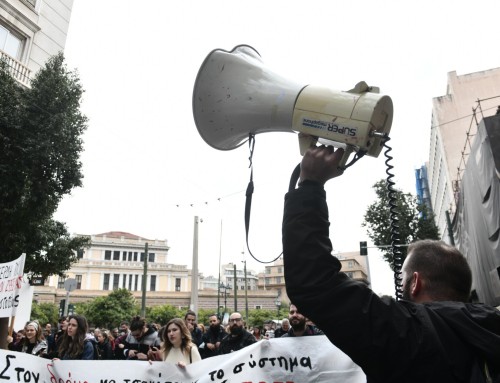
<point>162,314</point>
<point>257,317</point>
<point>40,144</point>
<point>45,313</point>
<point>110,310</point>
<point>414,220</point>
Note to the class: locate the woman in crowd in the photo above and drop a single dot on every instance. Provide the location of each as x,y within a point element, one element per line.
<point>16,343</point>
<point>103,345</point>
<point>257,333</point>
<point>33,342</point>
<point>176,346</point>
<point>73,344</point>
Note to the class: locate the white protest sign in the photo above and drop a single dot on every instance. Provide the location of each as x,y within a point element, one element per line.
<point>290,360</point>
<point>11,280</point>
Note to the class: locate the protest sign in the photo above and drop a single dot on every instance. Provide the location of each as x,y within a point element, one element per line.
<point>11,280</point>
<point>291,360</point>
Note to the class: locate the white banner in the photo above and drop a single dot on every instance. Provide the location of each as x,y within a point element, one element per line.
<point>11,280</point>
<point>286,360</point>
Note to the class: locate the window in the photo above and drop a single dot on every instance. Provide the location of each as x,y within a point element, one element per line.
<point>130,256</point>
<point>350,264</point>
<point>130,282</point>
<point>78,279</point>
<point>105,285</point>
<point>136,284</point>
<point>280,270</point>
<point>116,281</point>
<point>350,274</point>
<point>268,270</point>
<point>177,284</point>
<point>151,257</point>
<point>124,282</point>
<point>60,283</point>
<point>135,256</point>
<point>10,43</point>
<point>267,280</point>
<point>107,255</point>
<point>278,280</point>
<point>152,284</point>
<point>142,257</point>
<point>79,253</point>
<point>124,256</point>
<point>258,307</point>
<point>116,255</point>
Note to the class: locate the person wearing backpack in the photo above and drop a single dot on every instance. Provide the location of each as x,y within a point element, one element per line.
<point>74,344</point>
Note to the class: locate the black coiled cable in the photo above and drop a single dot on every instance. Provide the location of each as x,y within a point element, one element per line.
<point>397,257</point>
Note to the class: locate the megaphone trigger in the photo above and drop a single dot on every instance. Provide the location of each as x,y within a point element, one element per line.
<point>306,141</point>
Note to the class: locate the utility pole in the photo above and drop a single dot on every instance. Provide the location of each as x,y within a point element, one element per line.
<point>144,281</point>
<point>218,282</point>
<point>246,291</point>
<point>194,276</point>
<point>235,290</point>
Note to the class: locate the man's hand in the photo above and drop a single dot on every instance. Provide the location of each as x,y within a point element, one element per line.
<point>320,163</point>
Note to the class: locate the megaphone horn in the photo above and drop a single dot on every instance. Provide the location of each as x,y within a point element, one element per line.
<point>235,95</point>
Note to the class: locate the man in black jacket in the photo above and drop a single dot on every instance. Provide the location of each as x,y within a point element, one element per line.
<point>212,337</point>
<point>430,336</point>
<point>238,337</point>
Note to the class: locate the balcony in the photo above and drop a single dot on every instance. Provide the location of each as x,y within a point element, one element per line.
<point>17,70</point>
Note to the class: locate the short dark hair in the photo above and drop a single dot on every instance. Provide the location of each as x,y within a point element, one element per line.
<point>190,312</point>
<point>444,269</point>
<point>137,323</point>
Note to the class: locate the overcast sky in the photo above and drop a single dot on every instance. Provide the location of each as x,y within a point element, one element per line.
<point>148,172</point>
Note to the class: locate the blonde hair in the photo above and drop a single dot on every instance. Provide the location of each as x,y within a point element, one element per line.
<point>186,342</point>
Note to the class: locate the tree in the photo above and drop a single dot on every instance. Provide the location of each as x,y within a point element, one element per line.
<point>109,311</point>
<point>40,144</point>
<point>45,313</point>
<point>162,314</point>
<point>414,220</point>
<point>258,317</point>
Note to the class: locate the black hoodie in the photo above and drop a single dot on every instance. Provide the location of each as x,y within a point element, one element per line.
<point>391,341</point>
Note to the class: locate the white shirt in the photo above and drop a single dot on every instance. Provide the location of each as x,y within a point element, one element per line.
<point>176,355</point>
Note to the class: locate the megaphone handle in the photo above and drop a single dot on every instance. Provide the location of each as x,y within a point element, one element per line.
<point>306,141</point>
<point>347,152</point>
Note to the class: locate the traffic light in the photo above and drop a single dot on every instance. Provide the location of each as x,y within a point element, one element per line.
<point>61,307</point>
<point>363,249</point>
<point>71,309</point>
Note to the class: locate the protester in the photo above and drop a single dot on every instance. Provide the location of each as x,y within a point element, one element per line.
<point>238,337</point>
<point>212,337</point>
<point>299,325</point>
<point>140,340</point>
<point>177,346</point>
<point>124,331</point>
<point>15,343</point>
<point>285,326</point>
<point>74,344</point>
<point>430,336</point>
<point>256,332</point>
<point>196,334</point>
<point>103,345</point>
<point>33,342</point>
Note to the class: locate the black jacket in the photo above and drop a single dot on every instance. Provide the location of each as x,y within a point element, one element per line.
<point>211,336</point>
<point>234,343</point>
<point>391,341</point>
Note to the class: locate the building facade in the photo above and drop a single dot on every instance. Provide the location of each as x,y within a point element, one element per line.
<point>454,123</point>
<point>31,31</point>
<point>273,278</point>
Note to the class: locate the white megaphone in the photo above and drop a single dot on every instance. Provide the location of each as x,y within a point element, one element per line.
<point>236,95</point>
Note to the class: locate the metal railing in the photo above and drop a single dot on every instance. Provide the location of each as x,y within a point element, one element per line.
<point>19,71</point>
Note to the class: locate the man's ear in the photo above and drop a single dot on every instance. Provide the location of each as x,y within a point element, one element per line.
<point>416,285</point>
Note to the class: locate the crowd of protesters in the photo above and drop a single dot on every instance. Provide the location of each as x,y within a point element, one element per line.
<point>181,341</point>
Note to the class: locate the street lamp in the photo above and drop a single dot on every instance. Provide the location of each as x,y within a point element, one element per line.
<point>224,293</point>
<point>277,302</point>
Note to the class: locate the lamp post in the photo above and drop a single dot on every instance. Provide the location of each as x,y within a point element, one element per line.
<point>277,302</point>
<point>224,287</point>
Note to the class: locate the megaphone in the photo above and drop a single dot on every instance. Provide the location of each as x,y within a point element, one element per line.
<point>236,95</point>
